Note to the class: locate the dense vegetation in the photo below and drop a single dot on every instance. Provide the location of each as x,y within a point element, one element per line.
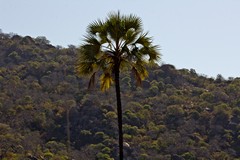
<point>47,112</point>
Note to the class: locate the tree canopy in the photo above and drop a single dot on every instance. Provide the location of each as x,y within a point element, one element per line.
<point>177,113</point>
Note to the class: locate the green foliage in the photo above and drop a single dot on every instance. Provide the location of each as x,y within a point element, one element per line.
<point>175,112</point>
<point>86,132</point>
<point>131,130</point>
<point>154,90</point>
<point>207,96</point>
<point>189,156</point>
<point>111,115</point>
<point>42,40</point>
<point>102,156</point>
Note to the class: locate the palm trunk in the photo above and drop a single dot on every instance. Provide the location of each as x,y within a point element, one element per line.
<point>119,111</point>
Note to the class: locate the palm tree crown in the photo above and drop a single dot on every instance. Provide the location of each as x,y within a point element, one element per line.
<point>118,41</point>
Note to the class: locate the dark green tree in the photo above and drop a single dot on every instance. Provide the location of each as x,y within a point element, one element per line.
<point>114,45</point>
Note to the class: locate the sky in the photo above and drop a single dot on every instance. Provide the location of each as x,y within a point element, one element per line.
<point>203,35</point>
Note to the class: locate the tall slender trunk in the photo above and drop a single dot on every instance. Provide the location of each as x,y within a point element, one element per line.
<point>119,111</point>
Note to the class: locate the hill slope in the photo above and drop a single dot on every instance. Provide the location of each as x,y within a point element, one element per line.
<point>176,114</point>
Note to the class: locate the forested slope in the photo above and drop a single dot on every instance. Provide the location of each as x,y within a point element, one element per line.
<point>175,114</point>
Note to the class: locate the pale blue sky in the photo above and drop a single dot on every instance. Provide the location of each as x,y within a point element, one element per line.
<point>203,35</point>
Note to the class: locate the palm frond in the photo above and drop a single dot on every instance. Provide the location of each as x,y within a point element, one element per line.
<point>137,76</point>
<point>86,60</point>
<point>130,37</point>
<point>91,39</point>
<point>143,40</point>
<point>92,81</point>
<point>151,52</point>
<point>113,26</point>
<point>95,27</point>
<point>141,68</point>
<point>106,81</point>
<point>133,22</point>
<point>84,68</point>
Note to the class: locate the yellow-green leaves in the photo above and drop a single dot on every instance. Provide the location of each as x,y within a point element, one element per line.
<point>106,81</point>
<point>140,74</point>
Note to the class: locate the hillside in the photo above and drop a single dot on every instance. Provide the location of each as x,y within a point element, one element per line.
<point>175,114</point>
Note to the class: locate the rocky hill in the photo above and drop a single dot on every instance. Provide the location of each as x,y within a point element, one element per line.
<point>47,112</point>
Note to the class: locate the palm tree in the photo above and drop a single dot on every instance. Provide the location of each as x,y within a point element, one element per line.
<point>115,45</point>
